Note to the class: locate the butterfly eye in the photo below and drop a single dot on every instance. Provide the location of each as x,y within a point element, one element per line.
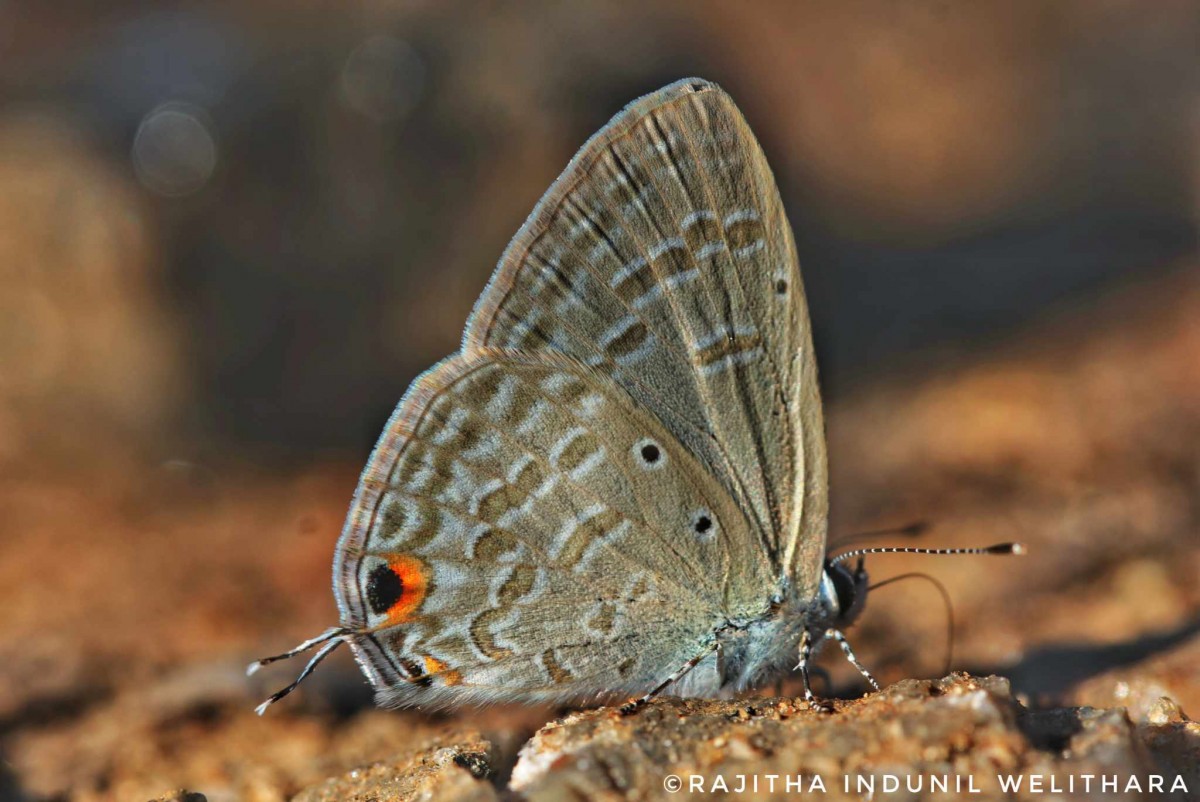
<point>649,454</point>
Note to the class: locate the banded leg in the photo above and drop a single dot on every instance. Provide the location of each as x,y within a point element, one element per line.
<point>634,705</point>
<point>836,634</point>
<point>808,648</point>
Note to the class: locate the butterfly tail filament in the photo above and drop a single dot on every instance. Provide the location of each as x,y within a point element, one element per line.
<point>331,638</point>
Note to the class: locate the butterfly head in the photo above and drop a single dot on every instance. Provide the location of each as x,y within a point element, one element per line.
<point>844,591</point>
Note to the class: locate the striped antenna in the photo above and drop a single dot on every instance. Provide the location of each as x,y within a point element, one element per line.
<point>999,548</point>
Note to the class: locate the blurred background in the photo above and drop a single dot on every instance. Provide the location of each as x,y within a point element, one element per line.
<point>232,233</point>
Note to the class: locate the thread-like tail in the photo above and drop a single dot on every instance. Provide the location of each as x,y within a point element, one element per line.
<point>332,638</point>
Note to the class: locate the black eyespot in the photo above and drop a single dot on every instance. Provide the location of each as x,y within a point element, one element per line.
<point>384,588</point>
<point>781,287</point>
<point>649,454</point>
<point>703,524</point>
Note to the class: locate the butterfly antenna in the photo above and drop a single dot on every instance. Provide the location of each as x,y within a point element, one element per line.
<point>999,548</point>
<point>945,601</point>
<point>332,638</point>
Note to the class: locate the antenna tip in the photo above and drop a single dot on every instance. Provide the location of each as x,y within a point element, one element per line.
<point>1019,548</point>
<point>262,709</point>
<point>1007,548</point>
<point>253,668</point>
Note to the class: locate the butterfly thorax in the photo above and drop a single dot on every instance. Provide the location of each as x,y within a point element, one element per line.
<point>759,648</point>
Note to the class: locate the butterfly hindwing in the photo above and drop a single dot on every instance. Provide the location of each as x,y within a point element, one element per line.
<point>525,529</point>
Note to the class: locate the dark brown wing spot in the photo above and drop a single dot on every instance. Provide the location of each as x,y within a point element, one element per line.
<point>673,262</point>
<point>495,504</point>
<point>492,543</point>
<point>604,619</point>
<point>518,584</point>
<point>481,636</point>
<point>629,340</point>
<point>577,452</point>
<point>559,674</point>
<point>703,231</point>
<point>744,233</point>
<point>587,533</point>
<point>635,283</point>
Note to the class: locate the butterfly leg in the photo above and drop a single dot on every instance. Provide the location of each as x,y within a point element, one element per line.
<point>808,648</point>
<point>636,704</point>
<point>835,634</point>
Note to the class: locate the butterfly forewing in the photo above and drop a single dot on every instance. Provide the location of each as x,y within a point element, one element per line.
<point>662,258</point>
<point>523,518</point>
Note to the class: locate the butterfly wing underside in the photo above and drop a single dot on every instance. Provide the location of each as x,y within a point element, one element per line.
<point>628,450</point>
<point>511,539</point>
<point>663,257</point>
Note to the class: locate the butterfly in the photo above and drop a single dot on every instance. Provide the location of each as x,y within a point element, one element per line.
<point>618,484</point>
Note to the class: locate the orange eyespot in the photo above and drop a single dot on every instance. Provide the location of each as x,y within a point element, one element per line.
<point>397,588</point>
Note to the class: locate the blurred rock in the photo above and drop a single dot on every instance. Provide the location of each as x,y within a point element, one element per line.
<point>86,346</point>
<point>182,795</point>
<point>1156,690</point>
<point>444,771</point>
